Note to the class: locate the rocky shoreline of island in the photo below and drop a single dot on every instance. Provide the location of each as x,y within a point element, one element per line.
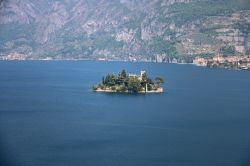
<point>108,90</point>
<point>129,83</point>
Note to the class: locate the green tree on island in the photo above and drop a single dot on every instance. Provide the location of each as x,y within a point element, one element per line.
<point>134,85</point>
<point>159,80</point>
<point>123,74</point>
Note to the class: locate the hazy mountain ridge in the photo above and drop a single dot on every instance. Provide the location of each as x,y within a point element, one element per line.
<point>160,30</point>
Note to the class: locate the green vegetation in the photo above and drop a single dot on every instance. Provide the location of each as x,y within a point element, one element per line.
<point>243,27</point>
<point>228,50</point>
<point>14,31</point>
<point>105,41</point>
<point>210,30</point>
<point>123,82</point>
<point>160,46</point>
<point>187,12</point>
<point>248,52</point>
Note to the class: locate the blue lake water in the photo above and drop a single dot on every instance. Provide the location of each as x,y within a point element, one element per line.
<point>50,117</point>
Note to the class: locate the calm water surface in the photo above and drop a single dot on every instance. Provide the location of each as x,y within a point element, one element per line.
<point>50,117</point>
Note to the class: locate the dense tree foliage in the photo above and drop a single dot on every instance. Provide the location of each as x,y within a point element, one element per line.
<point>159,80</point>
<point>228,50</point>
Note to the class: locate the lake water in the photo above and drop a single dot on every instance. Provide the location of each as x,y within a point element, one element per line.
<point>50,117</point>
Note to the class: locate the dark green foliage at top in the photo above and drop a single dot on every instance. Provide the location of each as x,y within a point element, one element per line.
<point>159,80</point>
<point>123,74</point>
<point>110,80</point>
<point>186,12</point>
<point>134,85</point>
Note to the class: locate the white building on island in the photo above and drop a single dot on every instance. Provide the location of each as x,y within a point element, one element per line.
<point>138,76</point>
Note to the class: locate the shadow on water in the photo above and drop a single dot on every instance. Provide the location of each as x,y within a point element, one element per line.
<point>6,156</point>
<point>247,158</point>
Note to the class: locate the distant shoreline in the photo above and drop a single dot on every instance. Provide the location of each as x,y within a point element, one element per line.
<point>96,60</point>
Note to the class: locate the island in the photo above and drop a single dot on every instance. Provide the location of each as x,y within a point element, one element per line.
<point>129,83</point>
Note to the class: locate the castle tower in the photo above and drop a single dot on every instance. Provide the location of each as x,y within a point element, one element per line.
<point>143,72</point>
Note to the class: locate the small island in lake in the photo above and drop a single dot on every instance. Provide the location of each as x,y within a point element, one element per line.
<point>129,83</point>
